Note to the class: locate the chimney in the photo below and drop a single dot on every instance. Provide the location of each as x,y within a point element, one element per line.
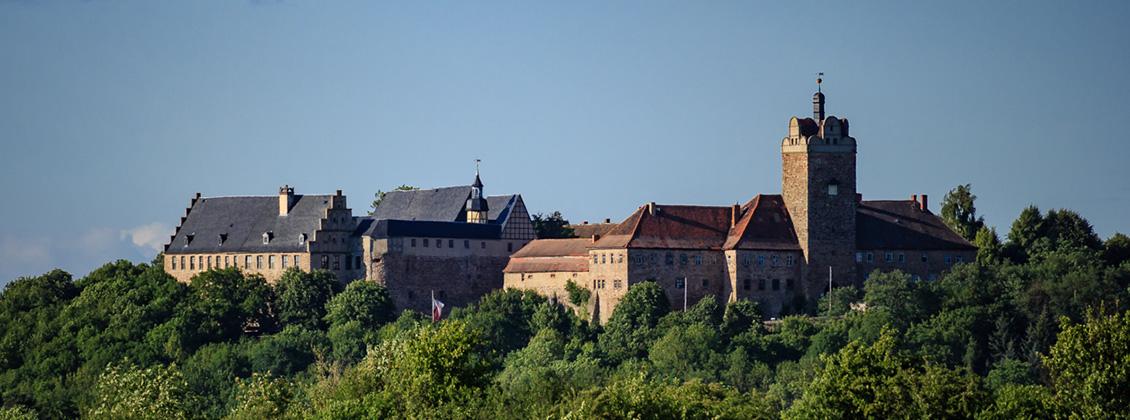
<point>651,208</point>
<point>925,205</point>
<point>914,198</point>
<point>607,220</point>
<point>585,222</point>
<point>286,199</point>
<point>735,213</point>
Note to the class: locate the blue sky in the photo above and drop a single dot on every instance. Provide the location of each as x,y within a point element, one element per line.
<point>112,114</point>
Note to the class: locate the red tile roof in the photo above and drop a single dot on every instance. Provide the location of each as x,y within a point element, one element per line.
<point>902,224</point>
<point>765,224</point>
<point>671,227</point>
<point>548,255</point>
<point>589,229</point>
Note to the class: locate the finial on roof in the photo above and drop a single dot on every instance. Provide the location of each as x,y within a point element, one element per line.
<point>478,182</point>
<point>818,100</point>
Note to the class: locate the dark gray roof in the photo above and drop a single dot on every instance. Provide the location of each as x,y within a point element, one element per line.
<point>368,226</point>
<point>438,205</point>
<point>244,220</point>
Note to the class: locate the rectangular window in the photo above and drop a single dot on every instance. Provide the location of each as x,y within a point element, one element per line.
<point>174,263</point>
<point>348,263</point>
<point>182,262</point>
<point>789,284</point>
<point>270,262</point>
<point>439,243</point>
<point>209,262</point>
<point>413,241</point>
<point>746,284</point>
<point>425,242</point>
<point>925,258</point>
<point>705,283</point>
<point>603,259</point>
<point>776,284</point>
<point>337,262</point>
<point>325,263</point>
<point>776,261</point>
<point>192,262</point>
<point>888,257</point>
<point>296,261</point>
<point>760,284</point>
<point>902,258</point>
<point>697,260</point>
<point>858,257</point>
<point>246,261</point>
<point>760,260</point>
<point>357,262</point>
<point>680,283</point>
<point>509,247</point>
<point>451,243</point>
<point>949,260</point>
<point>960,259</point>
<point>669,259</point>
<point>284,258</point>
<point>616,284</point>
<point>258,262</point>
<point>789,260</point>
<point>227,262</point>
<point>870,257</point>
<point>595,259</point>
<point>466,244</point>
<point>682,259</point>
<point>483,245</point>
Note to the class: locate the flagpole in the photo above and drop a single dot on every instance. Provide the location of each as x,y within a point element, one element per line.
<point>432,304</point>
<point>685,286</point>
<point>829,290</point>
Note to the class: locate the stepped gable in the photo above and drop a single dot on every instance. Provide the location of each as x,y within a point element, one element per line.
<point>764,225</point>
<point>549,255</point>
<point>904,225</point>
<point>242,221</point>
<point>658,226</point>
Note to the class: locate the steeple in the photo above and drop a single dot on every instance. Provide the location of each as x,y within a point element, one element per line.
<point>476,204</point>
<point>818,100</point>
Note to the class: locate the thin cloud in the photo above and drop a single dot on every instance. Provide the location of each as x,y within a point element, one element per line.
<point>150,237</point>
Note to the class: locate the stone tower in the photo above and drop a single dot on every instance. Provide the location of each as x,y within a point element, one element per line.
<point>818,187</point>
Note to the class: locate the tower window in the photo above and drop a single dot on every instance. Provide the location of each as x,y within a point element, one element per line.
<point>833,189</point>
<point>776,284</point>
<point>746,284</point>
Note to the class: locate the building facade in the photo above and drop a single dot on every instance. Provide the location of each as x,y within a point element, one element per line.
<point>452,241</point>
<point>779,250</point>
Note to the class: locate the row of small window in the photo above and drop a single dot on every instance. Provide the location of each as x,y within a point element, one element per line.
<point>891,257</point>
<point>774,260</point>
<point>600,284</point>
<point>747,284</point>
<point>207,263</point>
<point>451,244</point>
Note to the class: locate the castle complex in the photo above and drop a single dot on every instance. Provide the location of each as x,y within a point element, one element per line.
<point>781,250</point>
<point>453,242</point>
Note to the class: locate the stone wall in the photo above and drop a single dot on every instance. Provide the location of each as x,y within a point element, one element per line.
<point>550,285</point>
<point>771,278</point>
<point>925,265</point>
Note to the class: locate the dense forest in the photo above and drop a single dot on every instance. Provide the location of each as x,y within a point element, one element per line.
<point>1037,327</point>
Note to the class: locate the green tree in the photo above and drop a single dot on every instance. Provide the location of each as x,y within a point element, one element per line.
<point>1025,231</point>
<point>959,212</point>
<point>434,365</point>
<point>1090,365</point>
<point>552,225</point>
<point>906,300</point>
<point>839,301</point>
<point>262,396</point>
<point>301,297</point>
<point>380,196</point>
<point>632,327</point>
<point>224,301</point>
<point>126,391</point>
<point>688,353</point>
<point>989,248</point>
<point>1116,249</point>
<point>365,302</point>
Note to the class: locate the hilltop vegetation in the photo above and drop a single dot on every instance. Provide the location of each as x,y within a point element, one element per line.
<point>1036,327</point>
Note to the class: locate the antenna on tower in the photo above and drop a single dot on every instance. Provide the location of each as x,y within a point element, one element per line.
<point>819,80</point>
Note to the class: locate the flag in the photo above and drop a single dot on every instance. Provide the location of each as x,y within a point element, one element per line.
<point>437,309</point>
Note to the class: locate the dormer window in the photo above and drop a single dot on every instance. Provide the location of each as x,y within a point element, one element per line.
<point>222,237</point>
<point>188,239</point>
<point>266,238</point>
<point>302,239</point>
<point>834,188</point>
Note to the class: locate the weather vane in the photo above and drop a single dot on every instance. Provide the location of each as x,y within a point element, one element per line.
<point>477,166</point>
<point>819,79</point>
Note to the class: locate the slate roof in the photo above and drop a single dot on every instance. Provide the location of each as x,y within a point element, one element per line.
<point>901,224</point>
<point>765,224</point>
<point>375,228</point>
<point>547,255</point>
<point>445,204</point>
<point>244,220</point>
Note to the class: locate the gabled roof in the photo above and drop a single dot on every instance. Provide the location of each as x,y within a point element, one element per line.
<point>671,227</point>
<point>243,220</point>
<point>586,230</point>
<point>445,204</point>
<point>548,255</point>
<point>765,224</point>
<point>902,224</point>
